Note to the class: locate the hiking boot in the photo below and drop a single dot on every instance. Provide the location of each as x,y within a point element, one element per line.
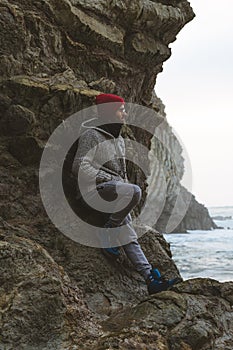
<point>157,283</point>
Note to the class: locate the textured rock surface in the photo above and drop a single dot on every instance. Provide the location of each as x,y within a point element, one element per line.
<point>196,218</point>
<point>40,307</point>
<point>110,286</point>
<point>56,56</point>
<point>197,314</point>
<point>166,171</point>
<point>95,39</point>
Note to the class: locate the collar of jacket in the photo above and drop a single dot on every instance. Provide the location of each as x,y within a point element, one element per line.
<point>91,124</point>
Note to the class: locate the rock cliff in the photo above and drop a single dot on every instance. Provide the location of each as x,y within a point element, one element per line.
<point>167,170</point>
<point>93,305</point>
<point>56,56</point>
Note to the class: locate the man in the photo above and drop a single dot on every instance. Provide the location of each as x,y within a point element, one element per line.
<point>109,178</point>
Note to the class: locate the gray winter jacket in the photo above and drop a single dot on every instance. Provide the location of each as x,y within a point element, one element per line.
<point>97,161</point>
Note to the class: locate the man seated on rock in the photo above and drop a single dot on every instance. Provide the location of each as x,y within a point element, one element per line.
<point>111,184</point>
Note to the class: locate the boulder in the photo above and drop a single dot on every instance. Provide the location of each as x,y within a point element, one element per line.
<point>40,307</point>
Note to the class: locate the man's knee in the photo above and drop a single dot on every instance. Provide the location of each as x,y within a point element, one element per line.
<point>137,193</point>
<point>130,190</point>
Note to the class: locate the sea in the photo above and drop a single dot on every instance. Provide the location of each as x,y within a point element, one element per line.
<point>206,254</point>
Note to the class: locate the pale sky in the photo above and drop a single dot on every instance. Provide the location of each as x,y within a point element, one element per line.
<point>196,86</point>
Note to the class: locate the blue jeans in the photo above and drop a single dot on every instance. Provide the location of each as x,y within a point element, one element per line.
<point>127,196</point>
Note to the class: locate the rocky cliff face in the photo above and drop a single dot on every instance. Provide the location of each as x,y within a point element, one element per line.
<point>40,307</point>
<point>56,56</point>
<point>94,305</point>
<point>196,218</point>
<point>166,171</point>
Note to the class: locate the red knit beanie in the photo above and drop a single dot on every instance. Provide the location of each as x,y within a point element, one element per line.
<point>108,104</point>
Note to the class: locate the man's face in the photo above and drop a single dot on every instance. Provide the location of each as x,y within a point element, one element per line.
<point>121,113</point>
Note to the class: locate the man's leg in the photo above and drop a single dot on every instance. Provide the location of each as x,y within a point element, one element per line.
<point>135,254</point>
<point>127,197</point>
<point>132,195</point>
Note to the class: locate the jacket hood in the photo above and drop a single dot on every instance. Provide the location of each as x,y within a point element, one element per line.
<point>93,124</point>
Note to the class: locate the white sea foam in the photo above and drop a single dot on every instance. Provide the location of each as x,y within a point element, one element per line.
<point>205,253</point>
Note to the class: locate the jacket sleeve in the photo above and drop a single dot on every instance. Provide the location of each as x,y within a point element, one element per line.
<point>84,163</point>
